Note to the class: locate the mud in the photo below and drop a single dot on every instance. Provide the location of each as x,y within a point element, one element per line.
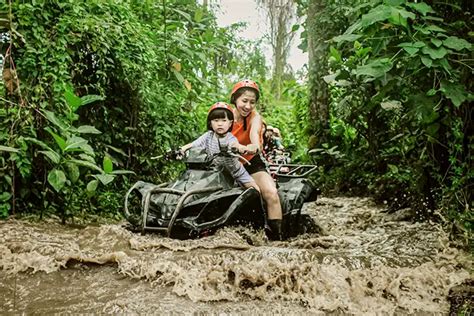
<point>366,262</point>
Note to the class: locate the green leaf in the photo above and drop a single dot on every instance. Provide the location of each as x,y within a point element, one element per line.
<point>61,142</point>
<point>198,15</point>
<point>87,164</point>
<point>335,54</point>
<point>421,7</point>
<point>107,164</point>
<point>411,50</point>
<point>456,43</point>
<point>104,178</point>
<point>52,155</point>
<point>445,64</point>
<point>400,16</point>
<point>417,44</point>
<point>428,62</point>
<point>74,142</point>
<point>9,149</point>
<point>455,92</point>
<point>72,100</point>
<point>117,150</point>
<point>346,38</point>
<point>73,172</point>
<point>436,42</point>
<point>87,157</point>
<point>375,69</point>
<point>38,142</point>
<point>87,129</point>
<point>87,99</point>
<point>431,92</point>
<point>50,116</point>
<point>435,53</point>
<point>435,28</point>
<point>92,185</point>
<point>377,14</point>
<point>394,3</point>
<point>5,196</point>
<point>393,168</point>
<point>57,179</point>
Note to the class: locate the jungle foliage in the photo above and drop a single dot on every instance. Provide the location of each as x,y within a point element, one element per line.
<point>400,102</point>
<point>145,72</point>
<point>93,89</point>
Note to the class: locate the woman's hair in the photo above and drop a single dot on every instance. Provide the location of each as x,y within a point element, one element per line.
<point>241,91</point>
<point>219,113</point>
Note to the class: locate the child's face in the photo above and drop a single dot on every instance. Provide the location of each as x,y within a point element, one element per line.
<point>245,104</point>
<point>221,125</point>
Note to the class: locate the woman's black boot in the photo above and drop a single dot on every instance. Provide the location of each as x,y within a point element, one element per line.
<point>275,229</point>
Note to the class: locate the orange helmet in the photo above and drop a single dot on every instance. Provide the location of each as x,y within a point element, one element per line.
<point>220,105</point>
<point>246,84</point>
<point>216,106</point>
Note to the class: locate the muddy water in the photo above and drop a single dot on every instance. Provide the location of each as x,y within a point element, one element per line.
<point>367,262</point>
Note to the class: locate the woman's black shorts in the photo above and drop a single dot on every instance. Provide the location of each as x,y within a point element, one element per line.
<point>257,163</point>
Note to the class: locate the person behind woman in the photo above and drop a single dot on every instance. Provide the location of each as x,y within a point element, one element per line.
<point>247,129</point>
<point>219,123</point>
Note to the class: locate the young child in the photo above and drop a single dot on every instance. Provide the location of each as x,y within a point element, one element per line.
<point>220,119</point>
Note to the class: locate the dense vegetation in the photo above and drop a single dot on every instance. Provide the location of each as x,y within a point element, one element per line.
<point>93,89</point>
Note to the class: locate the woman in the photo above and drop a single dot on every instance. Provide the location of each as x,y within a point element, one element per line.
<point>248,131</point>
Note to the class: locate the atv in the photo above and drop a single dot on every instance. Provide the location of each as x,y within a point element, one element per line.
<point>205,198</point>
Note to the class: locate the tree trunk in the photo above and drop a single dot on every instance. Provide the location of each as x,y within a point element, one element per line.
<point>317,59</point>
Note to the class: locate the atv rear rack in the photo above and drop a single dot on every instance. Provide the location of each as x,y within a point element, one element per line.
<point>294,171</point>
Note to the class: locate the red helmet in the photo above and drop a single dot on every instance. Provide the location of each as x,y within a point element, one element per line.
<point>245,84</point>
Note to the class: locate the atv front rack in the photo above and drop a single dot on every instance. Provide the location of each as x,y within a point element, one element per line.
<point>161,189</point>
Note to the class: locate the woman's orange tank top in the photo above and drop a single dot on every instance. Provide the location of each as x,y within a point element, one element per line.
<point>243,136</point>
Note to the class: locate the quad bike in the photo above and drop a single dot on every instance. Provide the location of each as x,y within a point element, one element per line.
<point>205,198</point>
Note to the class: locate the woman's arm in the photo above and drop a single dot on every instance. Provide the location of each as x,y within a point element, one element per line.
<point>255,131</point>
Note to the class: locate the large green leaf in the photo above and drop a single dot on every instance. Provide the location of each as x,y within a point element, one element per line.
<point>376,68</point>
<point>57,179</point>
<point>377,14</point>
<point>72,100</point>
<point>87,99</point>
<point>455,92</point>
<point>50,116</point>
<point>435,53</point>
<point>104,178</point>
<point>457,43</point>
<point>74,142</point>
<point>421,7</point>
<point>346,38</point>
